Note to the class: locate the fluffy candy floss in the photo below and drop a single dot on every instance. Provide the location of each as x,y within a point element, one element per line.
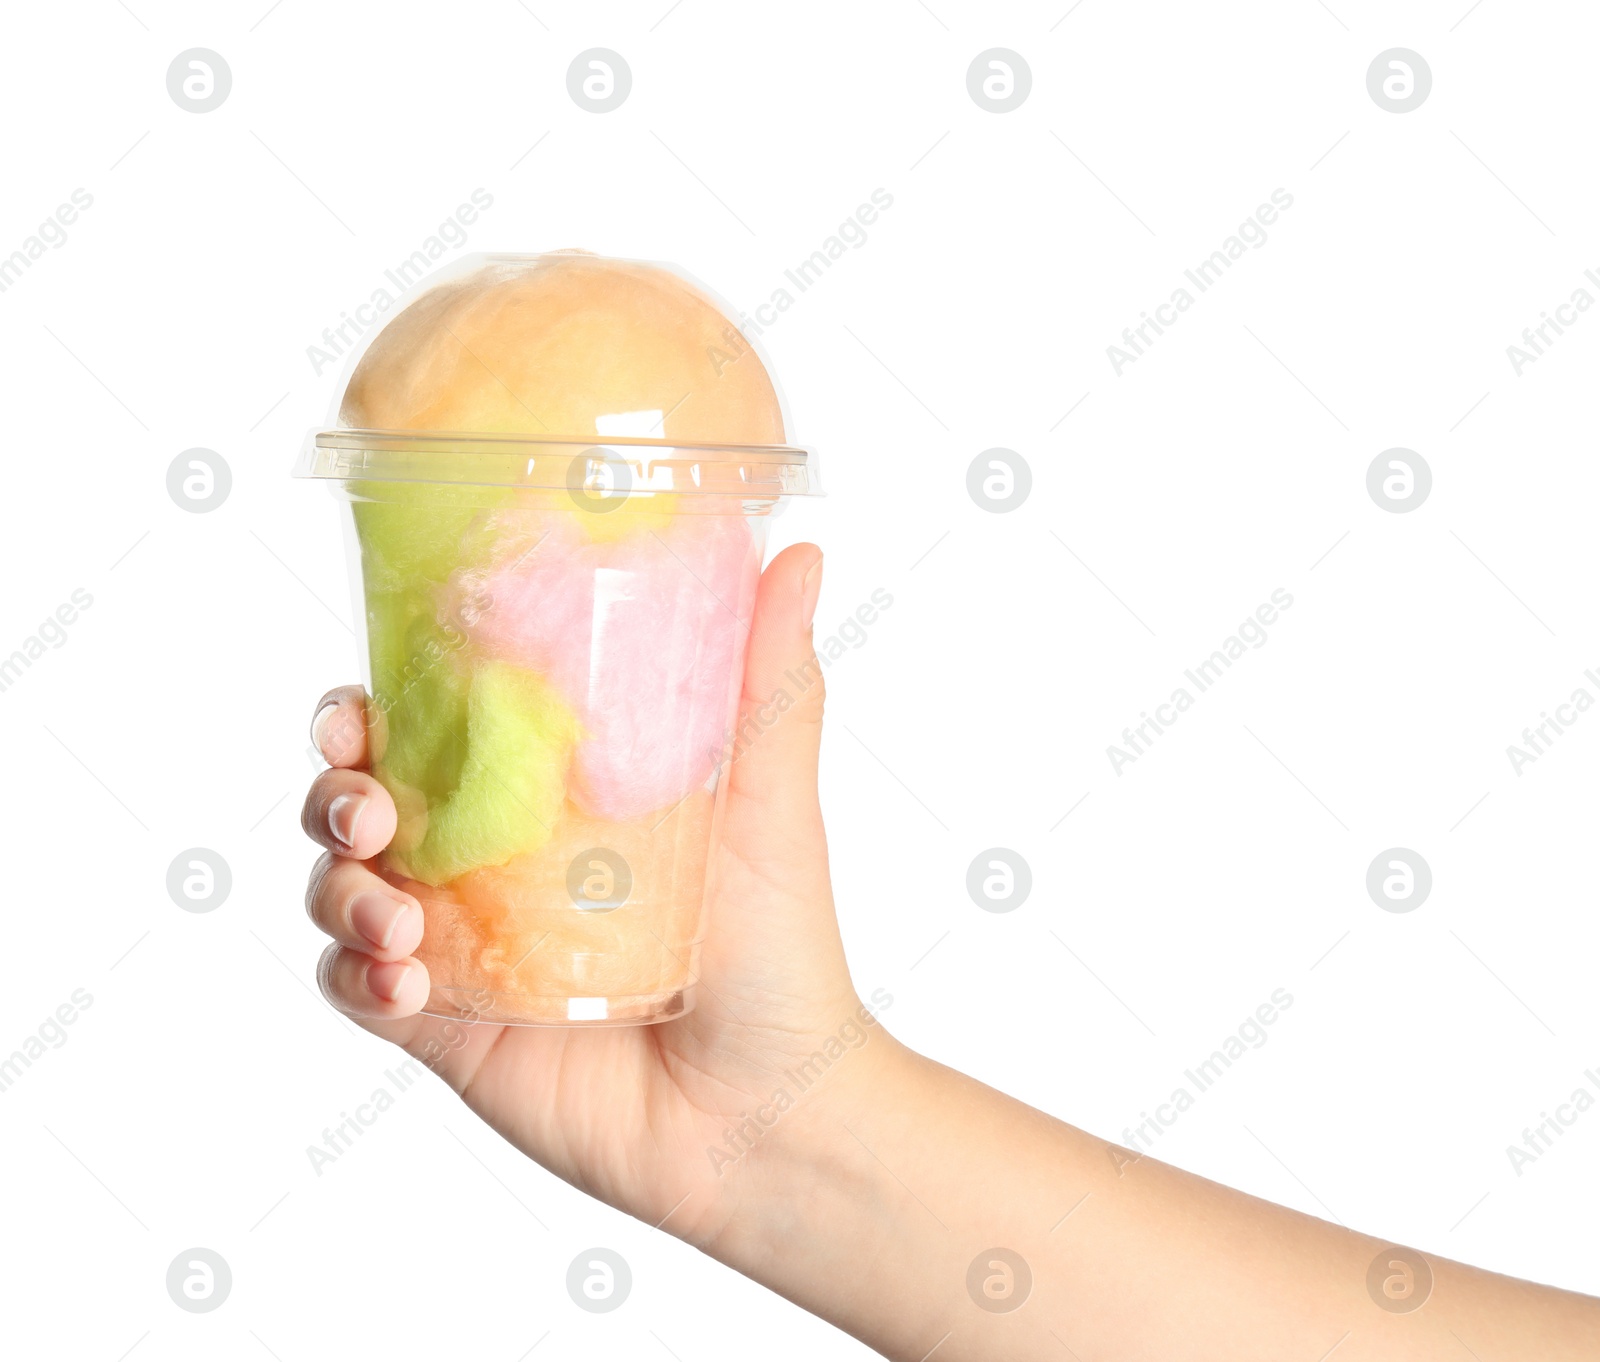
<point>418,533</point>
<point>566,344</point>
<point>552,675</point>
<point>517,932</point>
<point>642,634</point>
<point>478,767</point>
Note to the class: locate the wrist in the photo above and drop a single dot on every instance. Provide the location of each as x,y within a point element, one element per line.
<point>792,1166</point>
<point>824,1213</point>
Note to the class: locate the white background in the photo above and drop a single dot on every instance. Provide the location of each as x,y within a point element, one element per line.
<point>1228,461</point>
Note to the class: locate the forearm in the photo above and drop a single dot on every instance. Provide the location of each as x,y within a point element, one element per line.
<point>878,1208</point>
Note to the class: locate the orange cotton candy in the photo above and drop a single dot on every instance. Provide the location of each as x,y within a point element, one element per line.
<point>540,939</point>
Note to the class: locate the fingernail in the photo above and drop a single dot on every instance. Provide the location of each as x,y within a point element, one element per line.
<point>810,589</point>
<point>375,915</point>
<point>319,721</point>
<point>384,978</point>
<point>344,812</point>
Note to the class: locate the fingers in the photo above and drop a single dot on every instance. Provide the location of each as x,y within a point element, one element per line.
<point>369,989</point>
<point>359,910</point>
<point>349,813</point>
<point>369,973</point>
<point>779,731</point>
<point>339,727</point>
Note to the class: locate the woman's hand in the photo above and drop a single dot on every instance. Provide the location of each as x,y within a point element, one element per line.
<point>630,1114</point>
<point>910,1205</point>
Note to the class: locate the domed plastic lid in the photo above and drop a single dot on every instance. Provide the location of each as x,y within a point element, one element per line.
<point>528,370</point>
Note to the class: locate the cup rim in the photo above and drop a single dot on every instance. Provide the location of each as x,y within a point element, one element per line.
<point>348,454</point>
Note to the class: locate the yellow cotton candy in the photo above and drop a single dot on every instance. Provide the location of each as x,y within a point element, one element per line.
<point>635,515</point>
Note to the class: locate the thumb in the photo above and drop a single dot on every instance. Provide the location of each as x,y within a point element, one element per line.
<point>773,778</point>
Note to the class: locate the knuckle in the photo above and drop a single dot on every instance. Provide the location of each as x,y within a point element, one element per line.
<point>313,812</point>
<point>327,971</point>
<point>321,868</point>
<point>812,702</point>
<point>343,735</point>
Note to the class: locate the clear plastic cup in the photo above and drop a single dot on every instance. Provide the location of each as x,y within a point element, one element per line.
<point>554,621</point>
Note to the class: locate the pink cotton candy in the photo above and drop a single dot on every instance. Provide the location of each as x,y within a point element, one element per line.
<point>644,636</point>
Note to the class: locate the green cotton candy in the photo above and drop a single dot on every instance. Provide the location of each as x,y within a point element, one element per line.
<point>505,766</point>
<point>420,532</point>
<point>406,642</point>
<point>475,757</point>
<point>417,715</point>
<point>425,726</point>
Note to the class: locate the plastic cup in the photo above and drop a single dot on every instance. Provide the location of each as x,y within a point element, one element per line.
<point>554,625</point>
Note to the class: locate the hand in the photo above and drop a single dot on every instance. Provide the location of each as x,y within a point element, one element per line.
<point>628,1114</point>
<point>880,1194</point>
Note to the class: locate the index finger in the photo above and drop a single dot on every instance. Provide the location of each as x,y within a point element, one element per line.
<point>339,727</point>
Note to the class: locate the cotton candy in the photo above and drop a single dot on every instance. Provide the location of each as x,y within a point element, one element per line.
<point>549,682</point>
<point>405,641</point>
<point>452,744</point>
<point>558,346</point>
<point>643,635</point>
<point>516,933</point>
<point>477,766</point>
<point>419,533</point>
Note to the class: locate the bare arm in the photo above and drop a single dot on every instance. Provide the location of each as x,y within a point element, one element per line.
<point>920,1210</point>
<point>913,1207</point>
